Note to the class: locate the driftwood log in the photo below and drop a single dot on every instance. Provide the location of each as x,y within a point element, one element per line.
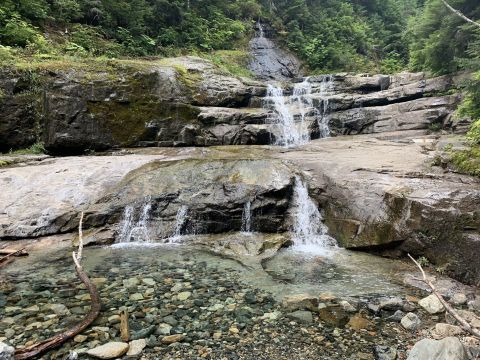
<point>463,323</point>
<point>57,340</point>
<point>9,257</point>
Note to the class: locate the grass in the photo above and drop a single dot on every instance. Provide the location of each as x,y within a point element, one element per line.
<point>36,149</point>
<point>233,62</point>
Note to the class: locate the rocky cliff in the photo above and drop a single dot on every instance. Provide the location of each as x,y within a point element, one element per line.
<point>191,102</point>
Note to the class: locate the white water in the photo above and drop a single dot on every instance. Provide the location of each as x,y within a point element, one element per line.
<point>309,231</point>
<point>291,112</point>
<point>135,231</point>
<point>247,217</point>
<point>292,132</point>
<point>180,219</point>
<point>322,118</point>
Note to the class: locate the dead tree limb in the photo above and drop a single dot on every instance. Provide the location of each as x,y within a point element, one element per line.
<point>458,13</point>
<point>463,323</point>
<point>9,257</point>
<point>59,339</point>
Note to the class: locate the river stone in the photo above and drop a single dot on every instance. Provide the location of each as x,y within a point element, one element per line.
<point>136,297</point>
<point>163,329</point>
<point>397,316</point>
<point>411,321</point>
<point>184,295</point>
<point>136,347</point>
<point>6,351</point>
<point>148,281</point>
<point>59,309</point>
<point>110,350</point>
<point>446,330</point>
<point>432,304</point>
<point>303,317</point>
<point>359,323</point>
<point>333,316</point>
<point>385,353</point>
<point>300,302</point>
<point>459,299</point>
<point>392,304</point>
<point>170,339</point>
<point>449,348</point>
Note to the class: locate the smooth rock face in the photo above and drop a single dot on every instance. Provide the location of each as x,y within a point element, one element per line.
<point>388,193</point>
<point>449,348</point>
<point>432,304</point>
<point>110,350</point>
<point>6,351</point>
<point>411,322</point>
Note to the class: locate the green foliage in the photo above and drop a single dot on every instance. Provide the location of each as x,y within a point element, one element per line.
<point>439,39</point>
<point>36,149</point>
<point>233,62</point>
<point>467,161</point>
<point>17,32</point>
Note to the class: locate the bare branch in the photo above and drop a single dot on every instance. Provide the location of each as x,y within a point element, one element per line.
<point>458,13</point>
<point>463,323</point>
<point>39,348</point>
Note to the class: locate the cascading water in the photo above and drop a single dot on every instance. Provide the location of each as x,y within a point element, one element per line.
<point>309,231</point>
<point>131,231</point>
<point>180,219</point>
<point>290,113</point>
<point>247,217</point>
<point>292,132</point>
<point>322,118</point>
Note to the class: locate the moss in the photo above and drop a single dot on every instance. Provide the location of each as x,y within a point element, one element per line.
<point>466,161</point>
<point>5,162</point>
<point>127,121</point>
<point>232,62</point>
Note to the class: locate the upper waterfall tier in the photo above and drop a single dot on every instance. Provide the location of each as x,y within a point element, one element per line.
<point>189,101</point>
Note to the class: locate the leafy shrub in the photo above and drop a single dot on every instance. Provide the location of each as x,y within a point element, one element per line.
<point>17,32</point>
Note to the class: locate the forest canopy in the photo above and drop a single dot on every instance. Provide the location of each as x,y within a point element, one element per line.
<point>328,35</point>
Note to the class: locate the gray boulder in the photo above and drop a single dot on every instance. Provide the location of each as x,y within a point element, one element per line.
<point>449,348</point>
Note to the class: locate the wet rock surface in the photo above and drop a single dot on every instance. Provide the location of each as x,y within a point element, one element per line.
<point>380,191</point>
<point>189,101</point>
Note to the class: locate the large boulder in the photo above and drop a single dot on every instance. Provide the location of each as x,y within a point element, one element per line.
<point>212,192</point>
<point>449,348</point>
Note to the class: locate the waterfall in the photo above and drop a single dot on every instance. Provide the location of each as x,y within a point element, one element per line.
<point>291,113</point>
<point>247,217</point>
<point>292,133</point>
<point>180,219</point>
<point>131,231</point>
<point>309,231</point>
<point>322,118</point>
<point>260,28</point>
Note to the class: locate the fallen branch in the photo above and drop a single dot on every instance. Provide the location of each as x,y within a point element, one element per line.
<point>7,252</point>
<point>463,323</point>
<point>59,339</point>
<point>458,13</point>
<point>9,257</point>
<point>124,327</point>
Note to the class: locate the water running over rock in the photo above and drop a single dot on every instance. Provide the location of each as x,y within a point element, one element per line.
<point>180,220</point>
<point>135,231</point>
<point>309,231</point>
<point>247,217</point>
<point>296,116</point>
